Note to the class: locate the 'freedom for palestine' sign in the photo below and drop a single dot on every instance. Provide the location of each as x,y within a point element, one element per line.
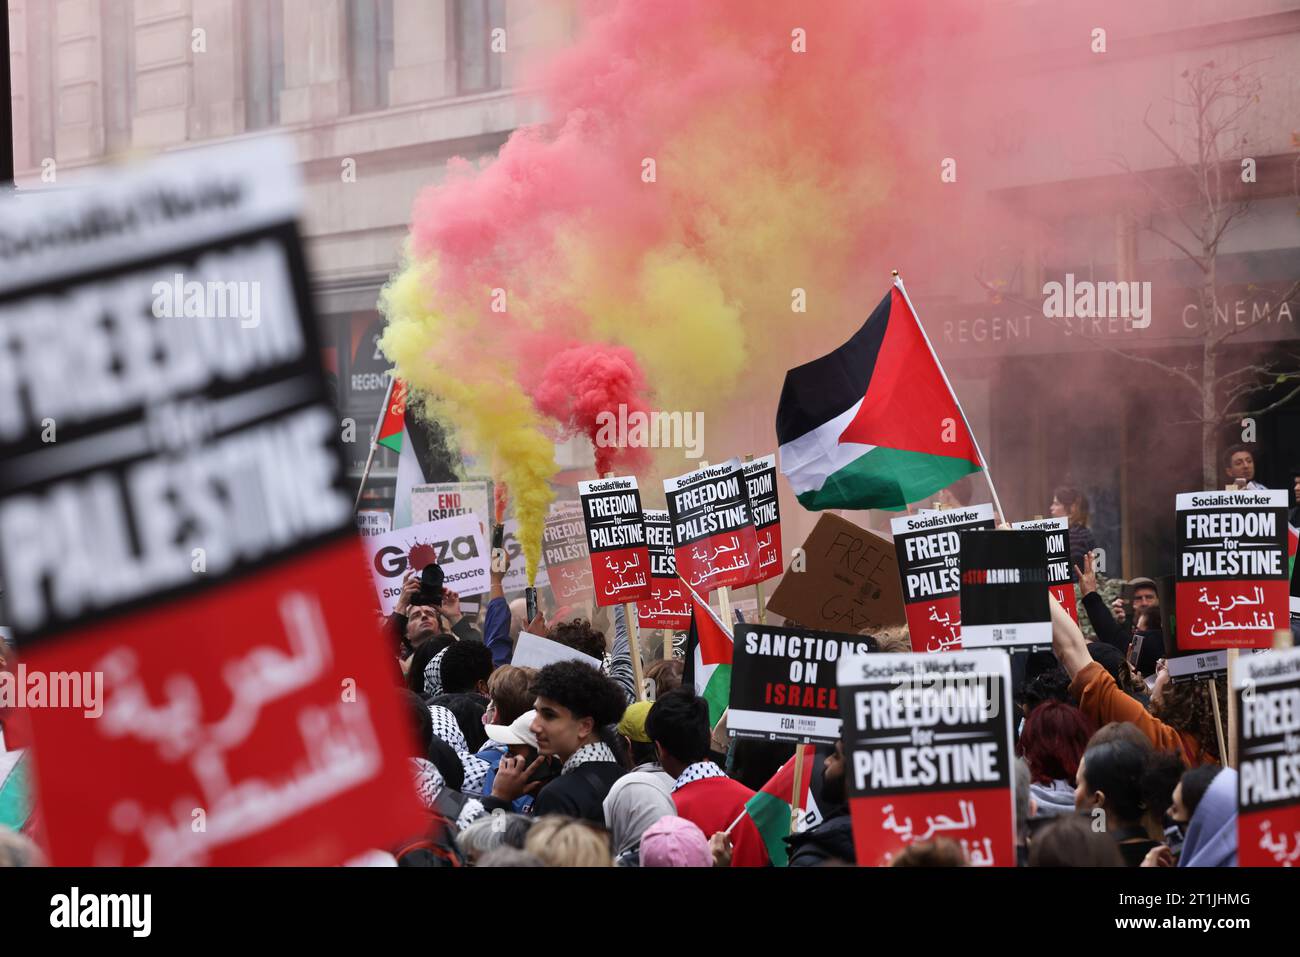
<point>1231,587</point>
<point>927,741</point>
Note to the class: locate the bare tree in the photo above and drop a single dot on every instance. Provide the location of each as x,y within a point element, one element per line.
<point>1200,204</point>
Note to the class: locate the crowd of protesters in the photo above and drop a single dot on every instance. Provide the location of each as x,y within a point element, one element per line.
<point>565,766</point>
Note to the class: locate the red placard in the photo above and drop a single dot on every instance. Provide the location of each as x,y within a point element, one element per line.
<point>760,485</point>
<point>564,551</point>
<point>713,531</point>
<point>1060,571</point>
<point>186,547</point>
<point>669,604</point>
<point>620,561</point>
<point>243,726</point>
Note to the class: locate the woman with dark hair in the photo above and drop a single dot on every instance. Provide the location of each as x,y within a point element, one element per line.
<point>1071,842</point>
<point>1052,742</point>
<point>1069,502</point>
<point>1204,809</point>
<point>1110,790</point>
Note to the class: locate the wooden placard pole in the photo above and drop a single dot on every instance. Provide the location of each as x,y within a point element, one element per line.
<point>634,649</point>
<point>1233,717</point>
<point>1218,720</point>
<point>798,777</point>
<point>667,636</point>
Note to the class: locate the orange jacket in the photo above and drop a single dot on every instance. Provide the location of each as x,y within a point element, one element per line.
<point>1102,701</point>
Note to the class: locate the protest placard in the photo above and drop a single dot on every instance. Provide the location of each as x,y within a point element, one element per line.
<point>516,576</point>
<point>189,538</point>
<point>713,532</point>
<point>929,556</point>
<point>436,501</point>
<point>534,651</point>
<point>1267,687</point>
<point>783,682</point>
<point>1232,589</point>
<point>454,544</point>
<point>564,551</point>
<point>669,604</point>
<point>1060,573</point>
<point>848,582</point>
<point>760,485</point>
<point>927,747</point>
<point>1004,589</point>
<point>620,560</point>
<point>374,522</point>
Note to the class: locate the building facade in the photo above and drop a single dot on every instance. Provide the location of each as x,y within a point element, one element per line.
<point>376,95</point>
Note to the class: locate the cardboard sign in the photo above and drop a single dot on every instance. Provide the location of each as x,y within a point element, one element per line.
<point>373,522</point>
<point>1197,665</point>
<point>849,583</point>
<point>669,604</point>
<point>1004,589</point>
<point>564,550</point>
<point>1293,545</point>
<point>927,745</point>
<point>760,485</point>
<point>620,561</point>
<point>1231,580</point>
<point>189,535</point>
<point>783,682</point>
<point>534,651</point>
<point>433,503</point>
<point>1060,572</point>
<point>1267,687</point>
<point>929,557</point>
<point>516,576</point>
<point>713,531</point>
<point>456,544</point>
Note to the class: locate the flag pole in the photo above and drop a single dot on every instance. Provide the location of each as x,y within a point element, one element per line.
<point>988,475</point>
<point>374,442</point>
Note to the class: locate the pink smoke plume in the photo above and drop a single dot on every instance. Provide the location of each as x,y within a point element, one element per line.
<point>582,385</point>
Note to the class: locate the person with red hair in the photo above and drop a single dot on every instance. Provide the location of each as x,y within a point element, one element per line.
<point>1053,739</point>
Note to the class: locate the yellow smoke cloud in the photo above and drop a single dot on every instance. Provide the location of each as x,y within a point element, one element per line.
<point>492,416</point>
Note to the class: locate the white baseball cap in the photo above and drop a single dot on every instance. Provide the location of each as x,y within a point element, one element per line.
<point>518,731</point>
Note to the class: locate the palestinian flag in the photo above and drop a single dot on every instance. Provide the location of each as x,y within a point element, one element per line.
<point>422,454</point>
<point>874,424</point>
<point>770,808</point>
<point>708,657</point>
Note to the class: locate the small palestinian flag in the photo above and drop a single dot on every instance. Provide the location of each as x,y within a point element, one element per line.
<point>770,808</point>
<point>875,424</point>
<point>708,657</point>
<point>392,420</point>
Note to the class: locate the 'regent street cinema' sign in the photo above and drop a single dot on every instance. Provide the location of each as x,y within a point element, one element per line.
<point>929,556</point>
<point>1231,584</point>
<point>174,517</point>
<point>713,531</point>
<point>927,743</point>
<point>620,561</point>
